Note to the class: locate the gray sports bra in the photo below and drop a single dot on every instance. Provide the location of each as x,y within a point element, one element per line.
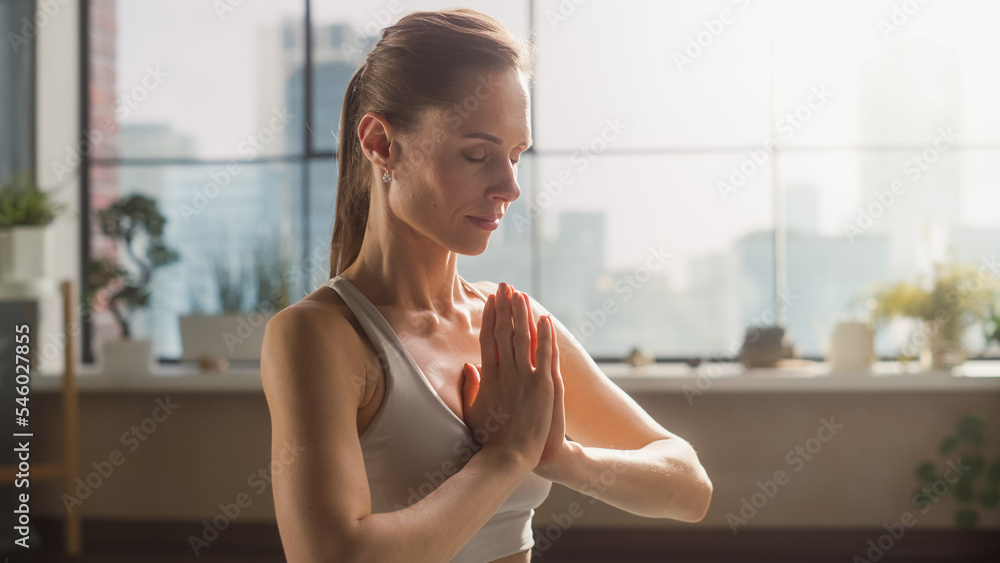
<point>415,442</point>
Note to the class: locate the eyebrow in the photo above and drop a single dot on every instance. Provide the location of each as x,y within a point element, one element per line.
<point>491,138</point>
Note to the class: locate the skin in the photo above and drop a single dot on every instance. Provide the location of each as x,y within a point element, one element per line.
<point>407,267</point>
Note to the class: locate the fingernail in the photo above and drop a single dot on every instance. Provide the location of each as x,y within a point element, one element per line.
<point>544,323</point>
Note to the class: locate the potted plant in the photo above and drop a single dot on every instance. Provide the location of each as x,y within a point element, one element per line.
<point>991,328</point>
<point>249,292</point>
<point>136,226</point>
<point>975,485</point>
<point>955,297</point>
<point>25,240</point>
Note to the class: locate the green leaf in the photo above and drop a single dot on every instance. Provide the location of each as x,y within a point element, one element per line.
<point>963,492</point>
<point>971,428</point>
<point>966,518</point>
<point>993,472</point>
<point>975,463</point>
<point>948,445</point>
<point>921,497</point>
<point>990,498</point>
<point>925,472</point>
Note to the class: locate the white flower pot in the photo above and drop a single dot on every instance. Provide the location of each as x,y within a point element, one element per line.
<point>25,253</point>
<point>232,336</point>
<point>127,358</point>
<point>852,348</point>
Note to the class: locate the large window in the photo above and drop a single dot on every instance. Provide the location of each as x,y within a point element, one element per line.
<point>698,166</point>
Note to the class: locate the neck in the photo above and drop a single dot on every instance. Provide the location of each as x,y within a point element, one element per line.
<point>409,273</point>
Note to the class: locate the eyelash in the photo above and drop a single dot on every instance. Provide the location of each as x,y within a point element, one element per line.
<point>482,160</point>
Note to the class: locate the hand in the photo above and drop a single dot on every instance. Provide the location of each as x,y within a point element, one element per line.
<point>556,446</point>
<point>508,383</point>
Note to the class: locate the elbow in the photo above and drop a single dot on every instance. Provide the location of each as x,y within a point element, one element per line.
<point>699,499</point>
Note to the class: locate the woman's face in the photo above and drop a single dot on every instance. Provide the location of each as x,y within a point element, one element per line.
<point>460,162</point>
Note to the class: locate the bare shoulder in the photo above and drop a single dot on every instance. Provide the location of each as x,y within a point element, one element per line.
<point>311,342</point>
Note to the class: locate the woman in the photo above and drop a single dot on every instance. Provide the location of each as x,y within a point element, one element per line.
<point>431,413</point>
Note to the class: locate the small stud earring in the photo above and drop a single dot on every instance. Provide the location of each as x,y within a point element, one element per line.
<point>386,177</point>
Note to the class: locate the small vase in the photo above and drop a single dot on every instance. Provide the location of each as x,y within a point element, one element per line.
<point>25,253</point>
<point>939,353</point>
<point>852,348</point>
<point>127,358</point>
<point>229,336</point>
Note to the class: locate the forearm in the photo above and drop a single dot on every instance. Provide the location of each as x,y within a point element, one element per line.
<point>661,480</point>
<point>439,525</point>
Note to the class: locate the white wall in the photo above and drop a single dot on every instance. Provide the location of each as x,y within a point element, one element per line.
<point>58,95</point>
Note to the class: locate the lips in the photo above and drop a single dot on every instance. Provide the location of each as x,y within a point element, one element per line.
<point>490,218</point>
<point>487,222</point>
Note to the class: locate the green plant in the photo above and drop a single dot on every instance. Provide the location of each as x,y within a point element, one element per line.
<point>231,284</point>
<point>255,283</point>
<point>991,327</point>
<point>269,272</point>
<point>954,297</point>
<point>22,203</point>
<point>974,483</point>
<point>129,221</point>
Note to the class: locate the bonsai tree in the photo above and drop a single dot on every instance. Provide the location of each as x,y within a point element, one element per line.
<point>23,204</point>
<point>129,221</point>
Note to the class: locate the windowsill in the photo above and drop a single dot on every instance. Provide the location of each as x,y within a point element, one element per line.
<point>670,378</point>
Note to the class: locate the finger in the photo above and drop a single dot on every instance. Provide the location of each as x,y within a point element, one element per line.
<point>557,380</point>
<point>470,388</point>
<point>487,341</point>
<point>555,348</point>
<point>522,334</point>
<point>544,347</point>
<point>534,331</point>
<point>503,330</point>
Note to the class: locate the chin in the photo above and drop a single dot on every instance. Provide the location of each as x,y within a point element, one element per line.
<point>471,247</point>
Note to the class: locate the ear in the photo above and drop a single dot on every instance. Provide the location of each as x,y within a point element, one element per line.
<point>375,134</point>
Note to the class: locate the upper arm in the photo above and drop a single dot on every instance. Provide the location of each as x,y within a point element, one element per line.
<point>598,412</point>
<point>313,382</point>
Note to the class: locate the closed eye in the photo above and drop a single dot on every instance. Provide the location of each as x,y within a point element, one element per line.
<point>485,158</point>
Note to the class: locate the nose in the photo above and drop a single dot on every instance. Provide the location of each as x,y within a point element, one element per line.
<point>507,186</point>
